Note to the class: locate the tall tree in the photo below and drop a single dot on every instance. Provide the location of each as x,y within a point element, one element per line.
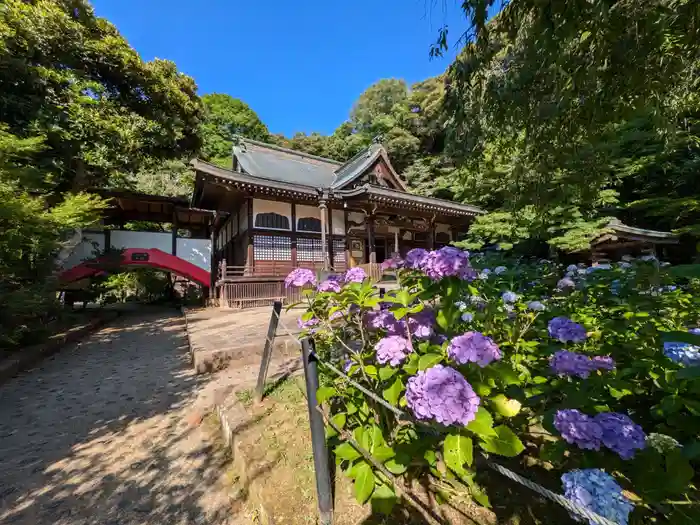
<point>71,77</point>
<point>225,117</point>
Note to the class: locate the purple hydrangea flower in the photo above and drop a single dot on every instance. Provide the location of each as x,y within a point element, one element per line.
<point>568,363</point>
<point>596,490</point>
<point>385,320</point>
<point>621,434</point>
<point>536,306</point>
<point>392,263</point>
<point>338,314</point>
<point>565,329</point>
<point>578,428</point>
<point>509,297</point>
<point>415,258</point>
<point>300,277</point>
<point>565,284</point>
<point>307,325</point>
<point>572,268</point>
<point>421,324</point>
<point>473,347</point>
<point>442,394</point>
<point>331,284</point>
<point>392,349</point>
<point>448,261</point>
<point>355,275</point>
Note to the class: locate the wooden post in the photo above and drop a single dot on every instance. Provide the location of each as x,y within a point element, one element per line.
<point>396,241</point>
<point>347,240</point>
<point>324,241</point>
<point>267,350</point>
<point>212,258</point>
<point>431,235</point>
<point>331,253</point>
<point>250,253</point>
<point>294,235</point>
<point>174,232</point>
<point>108,239</point>
<point>369,222</point>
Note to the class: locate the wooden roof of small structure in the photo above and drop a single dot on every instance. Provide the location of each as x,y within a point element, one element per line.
<point>620,232</point>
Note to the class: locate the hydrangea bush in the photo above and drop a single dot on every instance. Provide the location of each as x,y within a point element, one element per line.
<point>592,373</point>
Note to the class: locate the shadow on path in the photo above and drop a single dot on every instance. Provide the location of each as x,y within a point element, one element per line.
<point>105,432</point>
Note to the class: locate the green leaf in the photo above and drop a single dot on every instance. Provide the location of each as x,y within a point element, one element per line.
<point>347,452</point>
<point>395,466</point>
<point>504,406</point>
<point>386,372</point>
<point>393,393</point>
<point>504,443</point>
<point>364,483</point>
<point>400,313</point>
<point>689,372</point>
<point>680,337</point>
<point>584,36</point>
<point>443,320</point>
<point>482,425</point>
<point>324,393</point>
<point>339,421</point>
<point>383,452</point>
<point>428,360</point>
<point>458,450</point>
<point>371,370</point>
<point>553,451</point>
<point>383,499</point>
<point>411,366</point>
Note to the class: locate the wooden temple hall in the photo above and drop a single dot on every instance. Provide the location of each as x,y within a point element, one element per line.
<point>280,209</point>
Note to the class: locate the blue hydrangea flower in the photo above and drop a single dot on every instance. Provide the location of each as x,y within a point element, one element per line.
<point>467,317</point>
<point>572,268</point>
<point>578,429</point>
<point>536,306</point>
<point>683,353</point>
<point>565,363</point>
<point>498,270</point>
<point>461,305</point>
<point>565,329</point>
<point>596,490</point>
<point>509,297</point>
<point>621,434</point>
<point>565,284</point>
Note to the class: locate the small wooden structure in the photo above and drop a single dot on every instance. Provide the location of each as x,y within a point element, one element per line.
<point>288,209</point>
<point>621,239</point>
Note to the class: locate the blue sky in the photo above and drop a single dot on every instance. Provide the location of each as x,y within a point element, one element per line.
<point>300,65</point>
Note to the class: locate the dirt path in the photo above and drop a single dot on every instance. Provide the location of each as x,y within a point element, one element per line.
<point>106,433</point>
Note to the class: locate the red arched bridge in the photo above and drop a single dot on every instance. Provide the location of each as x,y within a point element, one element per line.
<point>185,250</point>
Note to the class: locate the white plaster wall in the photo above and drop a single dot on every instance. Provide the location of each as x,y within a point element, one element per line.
<point>355,216</point>
<point>196,251</point>
<point>86,249</point>
<point>128,239</point>
<point>338,222</point>
<point>442,228</point>
<point>283,208</point>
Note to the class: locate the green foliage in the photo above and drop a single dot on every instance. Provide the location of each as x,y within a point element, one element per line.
<point>224,118</point>
<point>103,112</point>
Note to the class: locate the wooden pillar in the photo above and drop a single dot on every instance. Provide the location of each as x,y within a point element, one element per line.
<point>324,240</point>
<point>369,222</point>
<point>212,260</point>
<point>396,240</point>
<point>294,235</point>
<point>431,235</point>
<point>347,240</point>
<point>250,252</point>
<point>331,253</point>
<point>108,239</point>
<point>174,233</point>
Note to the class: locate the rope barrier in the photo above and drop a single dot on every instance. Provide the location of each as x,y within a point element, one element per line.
<point>404,416</point>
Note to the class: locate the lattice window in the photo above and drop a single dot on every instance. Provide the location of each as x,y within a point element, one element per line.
<point>309,224</point>
<point>272,220</point>
<point>338,251</point>
<point>309,250</point>
<point>272,248</point>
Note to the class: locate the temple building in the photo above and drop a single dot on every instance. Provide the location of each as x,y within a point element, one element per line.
<point>279,209</point>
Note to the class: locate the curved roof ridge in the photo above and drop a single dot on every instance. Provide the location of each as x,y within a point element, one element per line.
<point>291,151</point>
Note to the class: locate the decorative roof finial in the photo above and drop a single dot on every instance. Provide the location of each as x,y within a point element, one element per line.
<point>377,139</point>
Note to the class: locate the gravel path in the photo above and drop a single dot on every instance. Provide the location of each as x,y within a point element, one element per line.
<point>107,433</point>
